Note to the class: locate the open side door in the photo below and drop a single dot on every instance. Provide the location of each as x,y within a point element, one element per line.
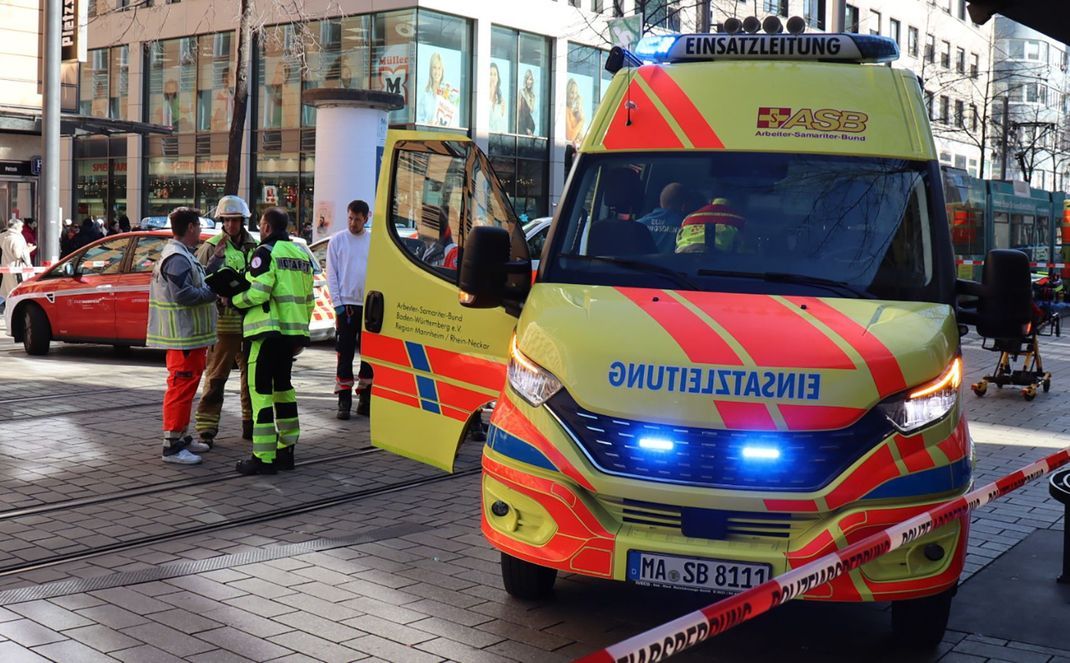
<point>436,363</point>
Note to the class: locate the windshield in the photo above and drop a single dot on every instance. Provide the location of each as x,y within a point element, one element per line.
<point>745,222</point>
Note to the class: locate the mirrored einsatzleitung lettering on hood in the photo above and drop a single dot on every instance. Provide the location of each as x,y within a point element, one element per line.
<point>747,383</point>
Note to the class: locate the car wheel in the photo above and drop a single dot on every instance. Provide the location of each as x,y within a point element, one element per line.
<point>36,331</point>
<point>525,580</point>
<point>921,622</point>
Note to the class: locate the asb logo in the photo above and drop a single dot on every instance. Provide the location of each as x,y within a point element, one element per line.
<point>809,119</point>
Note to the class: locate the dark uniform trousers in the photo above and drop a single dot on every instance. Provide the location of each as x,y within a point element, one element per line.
<point>346,344</point>
<point>275,422</point>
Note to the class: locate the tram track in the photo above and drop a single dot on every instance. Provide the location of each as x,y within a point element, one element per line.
<point>165,486</point>
<point>249,519</point>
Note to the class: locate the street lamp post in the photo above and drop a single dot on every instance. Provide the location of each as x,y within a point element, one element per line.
<point>48,224</point>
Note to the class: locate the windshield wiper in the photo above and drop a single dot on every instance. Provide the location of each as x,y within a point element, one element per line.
<point>638,265</point>
<point>783,277</point>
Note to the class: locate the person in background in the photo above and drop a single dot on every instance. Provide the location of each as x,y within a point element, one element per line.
<point>88,234</point>
<point>347,262</point>
<point>182,319</point>
<point>14,254</point>
<point>278,306</point>
<point>664,221</point>
<point>29,232</point>
<point>231,248</point>
<point>124,224</point>
<point>66,240</point>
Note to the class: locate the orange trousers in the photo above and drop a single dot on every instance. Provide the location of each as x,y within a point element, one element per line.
<point>184,369</point>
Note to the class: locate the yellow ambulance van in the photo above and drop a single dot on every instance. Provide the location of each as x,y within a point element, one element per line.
<point>740,350</point>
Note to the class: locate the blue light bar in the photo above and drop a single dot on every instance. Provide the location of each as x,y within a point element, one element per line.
<point>843,47</point>
<point>656,444</point>
<point>761,453</point>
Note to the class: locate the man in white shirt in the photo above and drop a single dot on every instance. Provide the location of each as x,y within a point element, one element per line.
<point>347,264</point>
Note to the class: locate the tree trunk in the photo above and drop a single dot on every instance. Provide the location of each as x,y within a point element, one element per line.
<point>241,101</point>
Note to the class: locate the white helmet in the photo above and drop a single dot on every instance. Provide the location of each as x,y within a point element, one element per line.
<point>231,206</point>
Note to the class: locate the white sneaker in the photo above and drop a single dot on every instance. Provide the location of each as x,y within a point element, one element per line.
<point>183,457</point>
<point>198,447</point>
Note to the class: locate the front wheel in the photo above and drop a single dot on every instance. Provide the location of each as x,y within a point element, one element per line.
<point>922,622</point>
<point>36,331</point>
<point>525,580</point>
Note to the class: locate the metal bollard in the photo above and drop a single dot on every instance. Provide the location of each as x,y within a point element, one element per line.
<point>1059,488</point>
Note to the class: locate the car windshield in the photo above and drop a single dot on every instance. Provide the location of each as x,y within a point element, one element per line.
<point>747,222</point>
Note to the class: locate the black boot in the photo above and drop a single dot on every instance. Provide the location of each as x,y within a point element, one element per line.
<point>246,429</point>
<point>284,458</point>
<point>364,402</point>
<point>253,465</point>
<point>345,402</point>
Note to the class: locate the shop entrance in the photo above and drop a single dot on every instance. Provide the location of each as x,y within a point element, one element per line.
<point>18,198</point>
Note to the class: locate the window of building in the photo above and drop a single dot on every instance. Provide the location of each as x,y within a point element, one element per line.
<point>663,14</point>
<point>960,60</point>
<point>443,63</point>
<point>94,84</point>
<point>930,48</point>
<point>99,178</point>
<point>973,117</point>
<point>779,7</point>
<point>960,161</point>
<point>874,22</point>
<point>974,65</point>
<point>961,12</point>
<point>850,18</point>
<point>895,30</point>
<point>583,90</point>
<point>338,57</point>
<point>519,118</point>
<point>929,105</point>
<point>215,83</point>
<point>814,13</point>
<point>172,83</point>
<point>947,6</point>
<point>945,55</point>
<point>960,114</point>
<point>912,41</point>
<point>945,108</point>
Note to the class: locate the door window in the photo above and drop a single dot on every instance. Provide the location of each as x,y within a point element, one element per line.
<point>442,190</point>
<point>146,253</point>
<point>103,258</point>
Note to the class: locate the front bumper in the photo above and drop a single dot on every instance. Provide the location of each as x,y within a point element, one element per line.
<point>566,515</point>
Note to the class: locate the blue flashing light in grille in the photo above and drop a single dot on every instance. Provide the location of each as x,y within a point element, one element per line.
<point>761,453</point>
<point>656,444</point>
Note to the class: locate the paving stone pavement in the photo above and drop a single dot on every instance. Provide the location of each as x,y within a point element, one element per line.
<point>433,595</point>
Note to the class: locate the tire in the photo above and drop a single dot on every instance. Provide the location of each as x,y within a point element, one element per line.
<point>1029,393</point>
<point>525,580</point>
<point>36,331</point>
<point>1047,385</point>
<point>920,623</point>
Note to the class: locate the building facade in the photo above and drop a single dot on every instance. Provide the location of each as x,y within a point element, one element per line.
<point>1030,70</point>
<point>951,56</point>
<point>522,78</point>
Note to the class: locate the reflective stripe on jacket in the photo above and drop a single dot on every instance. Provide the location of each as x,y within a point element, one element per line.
<point>173,325</point>
<point>279,299</point>
<point>230,318</point>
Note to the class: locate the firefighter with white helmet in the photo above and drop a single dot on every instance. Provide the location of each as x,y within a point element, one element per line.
<point>231,248</point>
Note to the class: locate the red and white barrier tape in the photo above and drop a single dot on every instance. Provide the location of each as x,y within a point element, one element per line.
<point>1034,265</point>
<point>23,271</point>
<point>663,641</point>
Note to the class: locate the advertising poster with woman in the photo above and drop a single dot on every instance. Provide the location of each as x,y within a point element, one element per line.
<point>579,107</point>
<point>438,90</point>
<point>528,103</point>
<point>499,94</point>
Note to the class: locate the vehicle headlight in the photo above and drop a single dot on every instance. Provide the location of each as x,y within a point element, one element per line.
<point>534,384</point>
<point>926,403</point>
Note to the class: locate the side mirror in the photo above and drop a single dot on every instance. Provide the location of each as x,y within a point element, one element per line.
<point>485,278</point>
<point>1005,302</point>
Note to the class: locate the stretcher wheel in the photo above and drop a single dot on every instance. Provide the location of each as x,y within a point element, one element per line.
<point>1047,385</point>
<point>980,388</point>
<point>1029,393</point>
